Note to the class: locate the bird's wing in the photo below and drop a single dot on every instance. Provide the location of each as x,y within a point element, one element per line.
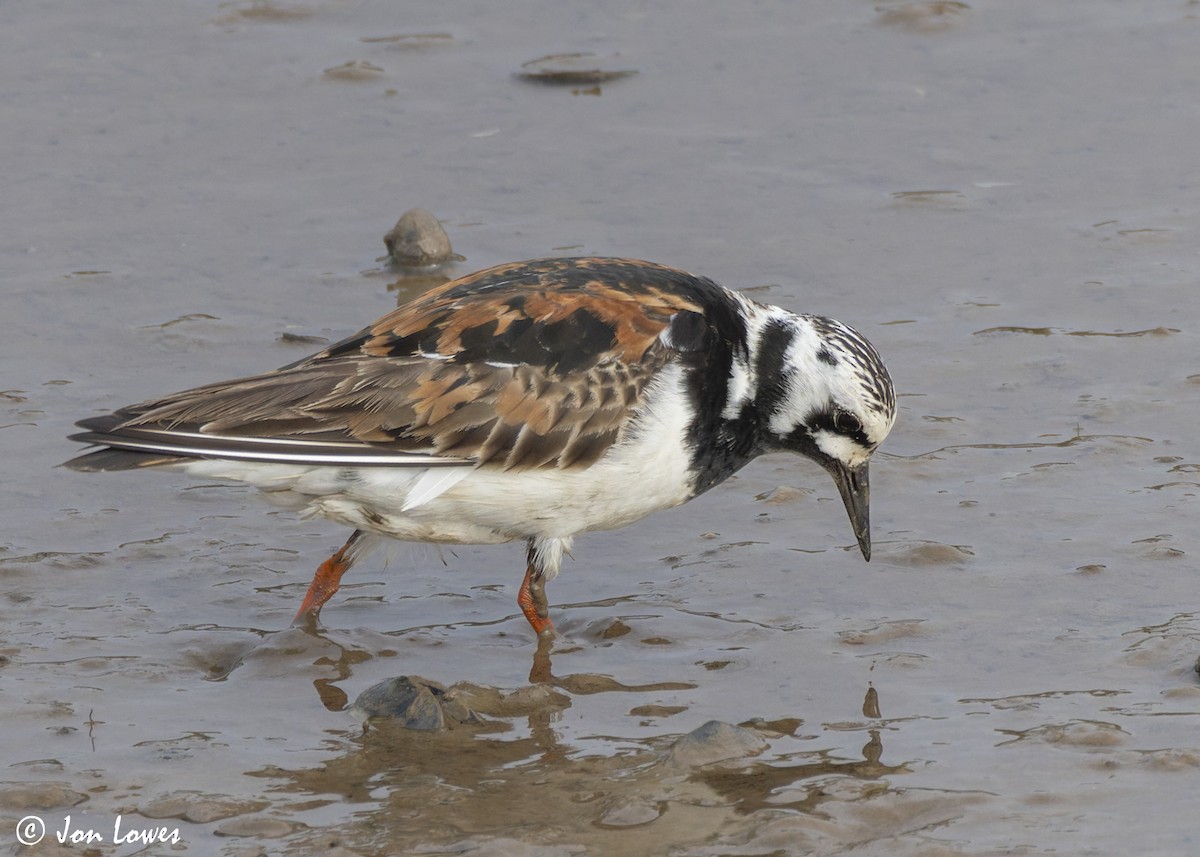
<point>524,365</point>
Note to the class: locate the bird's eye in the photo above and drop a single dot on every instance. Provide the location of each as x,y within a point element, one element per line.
<point>846,423</point>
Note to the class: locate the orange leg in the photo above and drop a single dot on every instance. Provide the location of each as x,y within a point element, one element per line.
<point>328,578</point>
<point>532,600</point>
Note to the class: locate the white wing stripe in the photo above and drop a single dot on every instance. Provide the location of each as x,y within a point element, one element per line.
<point>378,459</point>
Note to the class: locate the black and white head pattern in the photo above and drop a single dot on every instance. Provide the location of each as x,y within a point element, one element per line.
<point>817,384</point>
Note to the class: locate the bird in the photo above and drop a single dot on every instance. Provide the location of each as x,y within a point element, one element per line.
<point>531,401</point>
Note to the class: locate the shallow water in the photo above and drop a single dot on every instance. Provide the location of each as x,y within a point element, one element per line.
<point>1002,196</point>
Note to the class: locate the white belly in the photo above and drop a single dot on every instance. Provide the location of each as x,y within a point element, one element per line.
<point>645,471</point>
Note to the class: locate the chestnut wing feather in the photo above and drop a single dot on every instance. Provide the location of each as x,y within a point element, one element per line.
<point>525,365</point>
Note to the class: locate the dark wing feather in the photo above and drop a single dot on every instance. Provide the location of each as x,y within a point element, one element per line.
<point>525,365</point>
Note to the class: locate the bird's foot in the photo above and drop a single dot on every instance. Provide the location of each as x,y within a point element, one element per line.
<point>532,600</point>
<point>326,581</point>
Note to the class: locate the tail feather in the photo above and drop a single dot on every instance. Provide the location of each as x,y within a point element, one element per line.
<point>119,459</point>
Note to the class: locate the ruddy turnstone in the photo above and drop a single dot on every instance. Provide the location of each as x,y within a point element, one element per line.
<point>533,401</point>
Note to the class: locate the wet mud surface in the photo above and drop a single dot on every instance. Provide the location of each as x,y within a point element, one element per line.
<point>1002,196</point>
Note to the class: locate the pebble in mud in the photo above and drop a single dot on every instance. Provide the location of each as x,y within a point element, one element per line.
<point>574,69</point>
<point>925,554</point>
<point>714,742</point>
<point>615,629</point>
<point>418,241</point>
<point>924,17</point>
<point>784,494</point>
<point>413,703</point>
<point>356,70</point>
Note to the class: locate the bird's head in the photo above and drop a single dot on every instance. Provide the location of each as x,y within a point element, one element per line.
<point>819,389</point>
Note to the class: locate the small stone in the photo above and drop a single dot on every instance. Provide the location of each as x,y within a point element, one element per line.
<point>924,17</point>
<point>927,554</point>
<point>871,703</point>
<point>656,710</point>
<point>616,629</point>
<point>575,69</point>
<point>1164,553</point>
<point>714,742</point>
<point>354,70</point>
<point>410,39</point>
<point>414,703</point>
<point>418,240</point>
<point>784,494</point>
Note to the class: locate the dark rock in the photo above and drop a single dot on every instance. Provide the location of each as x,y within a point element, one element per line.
<point>418,240</point>
<point>414,703</point>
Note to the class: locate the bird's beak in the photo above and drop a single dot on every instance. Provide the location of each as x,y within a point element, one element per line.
<point>855,488</point>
